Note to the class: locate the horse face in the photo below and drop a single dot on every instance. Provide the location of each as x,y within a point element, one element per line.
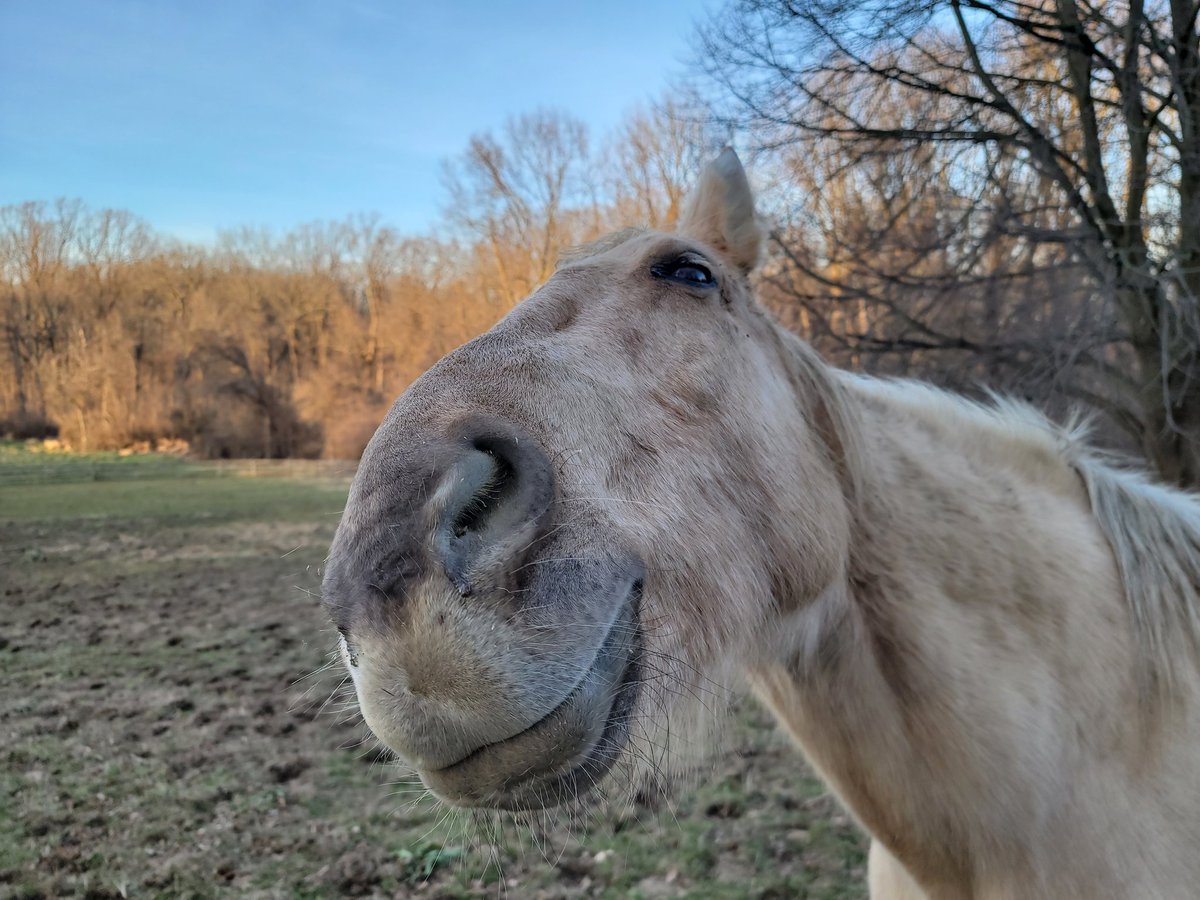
<point>567,526</point>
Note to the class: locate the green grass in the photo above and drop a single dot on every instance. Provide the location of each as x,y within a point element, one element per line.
<point>25,463</point>
<point>39,486</point>
<point>182,499</point>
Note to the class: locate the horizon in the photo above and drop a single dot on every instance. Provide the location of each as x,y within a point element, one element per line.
<point>199,122</point>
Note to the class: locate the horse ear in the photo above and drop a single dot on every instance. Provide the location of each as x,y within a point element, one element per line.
<point>720,212</point>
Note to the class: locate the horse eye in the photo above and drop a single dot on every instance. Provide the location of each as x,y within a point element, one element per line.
<point>686,270</point>
<point>693,273</point>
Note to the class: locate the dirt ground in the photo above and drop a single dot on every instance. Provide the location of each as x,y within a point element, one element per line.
<point>163,735</point>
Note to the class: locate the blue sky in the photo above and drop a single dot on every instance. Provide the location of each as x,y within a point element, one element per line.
<point>202,115</point>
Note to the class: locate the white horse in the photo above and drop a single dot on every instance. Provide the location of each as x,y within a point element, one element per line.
<point>982,636</point>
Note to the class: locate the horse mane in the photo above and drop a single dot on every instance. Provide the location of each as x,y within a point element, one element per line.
<point>1152,529</point>
<point>1154,532</point>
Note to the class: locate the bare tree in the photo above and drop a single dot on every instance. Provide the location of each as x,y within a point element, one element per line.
<point>1062,132</point>
<point>520,196</point>
<point>373,252</point>
<point>653,160</point>
<point>35,245</point>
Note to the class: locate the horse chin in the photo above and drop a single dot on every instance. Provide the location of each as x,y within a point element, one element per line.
<point>568,753</point>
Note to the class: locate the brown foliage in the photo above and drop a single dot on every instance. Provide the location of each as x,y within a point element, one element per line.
<point>294,345</point>
<point>261,346</point>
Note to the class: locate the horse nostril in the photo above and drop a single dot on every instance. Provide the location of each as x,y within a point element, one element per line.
<point>488,495</point>
<point>496,496</point>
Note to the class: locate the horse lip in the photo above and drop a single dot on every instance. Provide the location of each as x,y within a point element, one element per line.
<point>509,788</point>
<point>513,794</point>
<point>571,695</point>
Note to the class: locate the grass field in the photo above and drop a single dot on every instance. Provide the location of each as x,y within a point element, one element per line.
<point>160,737</point>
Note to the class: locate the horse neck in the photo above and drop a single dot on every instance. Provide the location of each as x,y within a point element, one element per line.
<point>972,533</point>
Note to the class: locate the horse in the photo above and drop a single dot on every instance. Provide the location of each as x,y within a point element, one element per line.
<point>981,633</point>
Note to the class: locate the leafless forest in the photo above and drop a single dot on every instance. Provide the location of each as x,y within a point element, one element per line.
<point>1001,194</point>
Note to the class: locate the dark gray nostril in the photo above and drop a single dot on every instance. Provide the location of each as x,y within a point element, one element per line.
<point>499,493</point>
<point>489,479</point>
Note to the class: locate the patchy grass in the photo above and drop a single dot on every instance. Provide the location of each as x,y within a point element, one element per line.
<point>181,500</point>
<point>165,735</point>
<point>27,463</point>
<point>37,485</point>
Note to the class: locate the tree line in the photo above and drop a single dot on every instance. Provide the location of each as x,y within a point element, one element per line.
<point>294,344</point>
<point>1000,193</point>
